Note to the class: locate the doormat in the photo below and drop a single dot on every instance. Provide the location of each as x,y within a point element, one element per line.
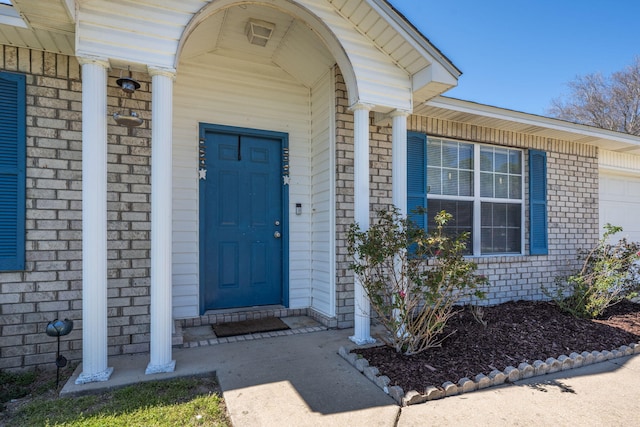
<point>244,327</point>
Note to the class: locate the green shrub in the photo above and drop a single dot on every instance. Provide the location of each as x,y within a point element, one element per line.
<point>15,385</point>
<point>610,273</point>
<point>414,292</point>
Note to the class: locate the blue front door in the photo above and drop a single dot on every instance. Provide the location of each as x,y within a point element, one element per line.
<point>241,217</point>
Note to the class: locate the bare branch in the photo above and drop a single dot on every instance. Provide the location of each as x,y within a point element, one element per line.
<point>611,102</point>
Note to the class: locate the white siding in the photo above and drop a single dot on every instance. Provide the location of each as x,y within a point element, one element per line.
<point>620,203</point>
<point>380,82</point>
<point>620,192</point>
<point>322,196</point>
<point>144,33</point>
<point>232,92</point>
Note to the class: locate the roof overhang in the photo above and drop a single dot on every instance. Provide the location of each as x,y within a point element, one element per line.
<point>472,113</point>
<point>432,80</point>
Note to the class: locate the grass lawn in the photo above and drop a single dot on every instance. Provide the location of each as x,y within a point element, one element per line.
<point>194,401</point>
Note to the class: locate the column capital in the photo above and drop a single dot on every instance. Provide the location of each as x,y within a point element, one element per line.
<point>96,60</point>
<point>162,71</point>
<point>361,106</point>
<point>400,113</point>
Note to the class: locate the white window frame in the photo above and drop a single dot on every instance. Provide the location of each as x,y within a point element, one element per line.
<point>477,199</point>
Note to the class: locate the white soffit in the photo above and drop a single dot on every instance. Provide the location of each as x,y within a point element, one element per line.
<point>429,71</point>
<point>45,25</point>
<point>472,113</point>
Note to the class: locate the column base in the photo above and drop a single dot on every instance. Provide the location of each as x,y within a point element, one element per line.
<point>158,369</point>
<point>362,340</point>
<point>92,378</point>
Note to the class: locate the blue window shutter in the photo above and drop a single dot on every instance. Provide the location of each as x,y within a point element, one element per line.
<point>416,176</point>
<point>538,238</point>
<point>12,170</point>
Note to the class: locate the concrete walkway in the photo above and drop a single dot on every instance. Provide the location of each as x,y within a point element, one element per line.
<point>300,380</point>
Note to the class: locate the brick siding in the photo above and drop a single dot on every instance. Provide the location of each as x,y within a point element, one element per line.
<point>51,285</point>
<point>572,171</point>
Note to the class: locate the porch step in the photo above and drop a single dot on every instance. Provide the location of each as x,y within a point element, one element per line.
<point>203,335</point>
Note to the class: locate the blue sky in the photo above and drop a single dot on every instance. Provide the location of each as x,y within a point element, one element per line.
<point>519,54</point>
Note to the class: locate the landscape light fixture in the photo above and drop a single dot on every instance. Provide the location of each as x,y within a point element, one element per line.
<point>58,328</point>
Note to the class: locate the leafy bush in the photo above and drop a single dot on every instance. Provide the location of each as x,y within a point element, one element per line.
<point>610,273</point>
<point>414,292</point>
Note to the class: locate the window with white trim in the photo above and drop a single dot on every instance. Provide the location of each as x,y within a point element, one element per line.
<point>480,185</point>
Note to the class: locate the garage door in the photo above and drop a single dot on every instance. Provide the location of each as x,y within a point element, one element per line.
<point>620,203</point>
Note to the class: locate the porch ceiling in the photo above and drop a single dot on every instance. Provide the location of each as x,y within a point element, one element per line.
<point>514,121</point>
<point>49,26</point>
<point>386,62</point>
<point>293,47</point>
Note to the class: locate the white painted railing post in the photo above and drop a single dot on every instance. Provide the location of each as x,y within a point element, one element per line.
<point>94,221</point>
<point>361,212</point>
<point>161,220</point>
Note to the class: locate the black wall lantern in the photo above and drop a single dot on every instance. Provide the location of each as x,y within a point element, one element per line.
<point>128,85</point>
<point>59,328</point>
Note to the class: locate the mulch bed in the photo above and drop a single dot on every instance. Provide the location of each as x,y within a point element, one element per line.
<point>516,332</point>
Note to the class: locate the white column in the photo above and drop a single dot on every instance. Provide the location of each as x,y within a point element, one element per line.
<point>161,219</point>
<point>399,160</point>
<point>361,212</point>
<point>94,221</point>
<point>399,186</point>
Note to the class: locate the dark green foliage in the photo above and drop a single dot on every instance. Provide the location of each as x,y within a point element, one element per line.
<point>413,278</point>
<point>610,273</point>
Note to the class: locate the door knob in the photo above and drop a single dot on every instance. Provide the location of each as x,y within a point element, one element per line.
<point>277,235</point>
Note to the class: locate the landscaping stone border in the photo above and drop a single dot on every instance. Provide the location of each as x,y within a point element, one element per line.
<point>466,385</point>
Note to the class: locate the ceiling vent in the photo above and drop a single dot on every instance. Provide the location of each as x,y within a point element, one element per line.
<point>259,32</point>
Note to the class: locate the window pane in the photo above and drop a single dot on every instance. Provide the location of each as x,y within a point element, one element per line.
<point>515,187</point>
<point>487,241</point>
<point>466,156</point>
<point>502,186</point>
<point>465,179</point>
<point>499,216</point>
<point>449,154</point>
<point>501,228</point>
<point>499,240</point>
<point>501,160</point>
<point>486,184</point>
<point>450,168</point>
<point>462,221</point>
<point>486,215</point>
<point>434,156</point>
<point>515,162</point>
<point>513,241</point>
<point>450,182</point>
<point>464,214</point>
<point>486,159</point>
<point>434,180</point>
<point>514,217</point>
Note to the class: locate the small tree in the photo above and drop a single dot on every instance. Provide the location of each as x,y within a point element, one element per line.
<point>610,273</point>
<point>413,291</point>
